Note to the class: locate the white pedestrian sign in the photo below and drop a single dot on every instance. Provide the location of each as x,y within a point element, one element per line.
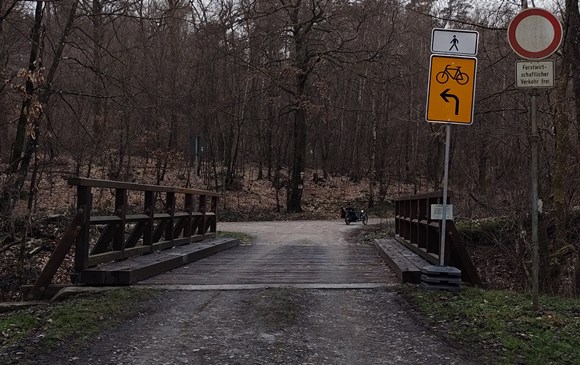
<point>454,42</point>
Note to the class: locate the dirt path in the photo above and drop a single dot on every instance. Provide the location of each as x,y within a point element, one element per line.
<point>288,325</point>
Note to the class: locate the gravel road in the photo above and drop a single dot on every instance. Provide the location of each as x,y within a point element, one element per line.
<point>291,325</point>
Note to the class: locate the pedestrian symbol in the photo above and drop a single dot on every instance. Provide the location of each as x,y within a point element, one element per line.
<point>454,42</point>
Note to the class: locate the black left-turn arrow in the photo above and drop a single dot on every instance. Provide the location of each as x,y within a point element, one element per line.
<point>446,95</point>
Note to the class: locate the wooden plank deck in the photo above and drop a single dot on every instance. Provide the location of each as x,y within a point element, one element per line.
<point>135,269</point>
<point>405,263</point>
<point>283,264</point>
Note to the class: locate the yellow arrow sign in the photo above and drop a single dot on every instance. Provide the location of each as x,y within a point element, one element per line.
<point>451,89</point>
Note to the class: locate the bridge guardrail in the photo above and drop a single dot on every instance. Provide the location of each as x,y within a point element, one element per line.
<point>120,234</point>
<point>415,229</point>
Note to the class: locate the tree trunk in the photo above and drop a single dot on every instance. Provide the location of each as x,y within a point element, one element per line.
<point>294,203</point>
<point>301,62</point>
<point>26,109</point>
<point>561,130</point>
<point>31,113</point>
<point>98,113</point>
<point>574,36</point>
<point>372,163</point>
<point>3,61</point>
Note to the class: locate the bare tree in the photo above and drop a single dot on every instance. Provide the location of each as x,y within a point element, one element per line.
<point>38,88</point>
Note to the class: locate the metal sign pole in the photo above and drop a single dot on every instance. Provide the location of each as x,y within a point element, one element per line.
<point>535,241</point>
<point>444,205</point>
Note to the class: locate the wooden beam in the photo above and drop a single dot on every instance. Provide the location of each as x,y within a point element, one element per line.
<point>58,255</point>
<point>149,210</point>
<point>103,258</point>
<point>135,234</point>
<point>109,184</point>
<point>84,203</point>
<point>104,242</point>
<point>170,209</point>
<point>121,212</point>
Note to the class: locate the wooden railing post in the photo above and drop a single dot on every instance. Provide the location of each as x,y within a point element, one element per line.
<point>214,208</point>
<point>121,212</point>
<point>421,226</point>
<point>414,223</point>
<point>202,209</point>
<point>149,210</point>
<point>407,218</point>
<point>170,209</point>
<point>84,203</point>
<point>432,233</point>
<point>188,205</point>
<point>397,217</point>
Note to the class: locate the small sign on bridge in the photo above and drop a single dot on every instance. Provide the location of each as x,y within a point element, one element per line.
<point>437,212</point>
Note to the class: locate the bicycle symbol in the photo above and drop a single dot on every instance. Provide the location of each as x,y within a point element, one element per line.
<point>454,73</point>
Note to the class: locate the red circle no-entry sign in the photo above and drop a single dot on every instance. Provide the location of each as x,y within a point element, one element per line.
<point>535,33</point>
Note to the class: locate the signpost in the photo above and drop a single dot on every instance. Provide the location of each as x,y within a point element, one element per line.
<point>534,34</point>
<point>451,96</point>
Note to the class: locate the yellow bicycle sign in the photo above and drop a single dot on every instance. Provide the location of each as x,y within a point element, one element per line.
<point>451,92</point>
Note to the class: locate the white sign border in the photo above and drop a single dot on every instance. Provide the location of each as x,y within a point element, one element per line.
<point>455,31</point>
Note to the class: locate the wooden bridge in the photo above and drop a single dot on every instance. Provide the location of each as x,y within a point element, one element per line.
<point>148,230</point>
<point>417,240</point>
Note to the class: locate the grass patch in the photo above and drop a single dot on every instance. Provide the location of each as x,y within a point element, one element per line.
<point>16,327</point>
<point>244,238</point>
<point>75,321</point>
<point>501,327</point>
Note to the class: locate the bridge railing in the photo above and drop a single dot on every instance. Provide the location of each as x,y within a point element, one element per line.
<point>418,231</point>
<point>139,219</point>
